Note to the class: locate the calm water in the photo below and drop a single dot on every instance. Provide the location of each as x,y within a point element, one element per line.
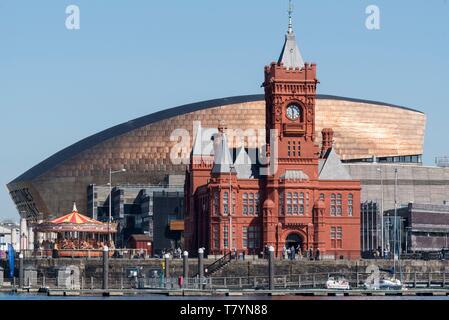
<point>24,296</point>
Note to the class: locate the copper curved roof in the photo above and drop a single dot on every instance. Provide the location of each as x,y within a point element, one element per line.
<point>131,125</point>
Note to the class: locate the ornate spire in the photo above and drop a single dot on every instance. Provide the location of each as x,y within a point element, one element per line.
<point>74,207</point>
<point>290,56</point>
<point>290,12</point>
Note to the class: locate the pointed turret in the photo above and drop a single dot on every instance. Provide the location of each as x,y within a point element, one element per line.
<point>243,164</point>
<point>223,162</point>
<point>290,56</point>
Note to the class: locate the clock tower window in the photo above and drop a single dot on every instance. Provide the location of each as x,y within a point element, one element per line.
<point>293,149</point>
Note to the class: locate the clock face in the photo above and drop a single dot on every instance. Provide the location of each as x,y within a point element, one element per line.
<point>293,112</point>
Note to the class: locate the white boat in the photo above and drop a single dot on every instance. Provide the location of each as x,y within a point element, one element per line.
<point>387,284</point>
<point>390,284</point>
<point>337,284</point>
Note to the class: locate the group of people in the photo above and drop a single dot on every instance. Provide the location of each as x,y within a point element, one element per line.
<point>291,253</point>
<point>75,244</point>
<point>175,253</point>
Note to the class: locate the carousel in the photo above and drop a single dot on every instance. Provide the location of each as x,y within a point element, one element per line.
<point>75,235</point>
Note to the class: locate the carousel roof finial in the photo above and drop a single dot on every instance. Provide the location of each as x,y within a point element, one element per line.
<point>74,207</point>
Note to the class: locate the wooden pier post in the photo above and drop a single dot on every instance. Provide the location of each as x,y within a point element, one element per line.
<point>429,278</point>
<point>185,268</point>
<point>105,268</point>
<point>201,266</point>
<point>271,268</point>
<point>21,271</point>
<point>414,280</point>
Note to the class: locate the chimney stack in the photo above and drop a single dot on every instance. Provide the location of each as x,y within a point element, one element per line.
<point>328,140</point>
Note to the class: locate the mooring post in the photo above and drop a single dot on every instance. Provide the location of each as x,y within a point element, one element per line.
<point>271,267</point>
<point>429,280</point>
<point>21,271</point>
<point>201,266</point>
<point>414,280</point>
<point>105,268</point>
<point>185,268</point>
<point>167,269</point>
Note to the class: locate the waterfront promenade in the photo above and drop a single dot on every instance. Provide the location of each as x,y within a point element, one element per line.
<point>251,278</point>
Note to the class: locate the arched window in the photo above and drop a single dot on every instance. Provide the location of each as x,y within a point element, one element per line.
<point>350,205</point>
<point>339,205</point>
<point>245,204</point>
<point>295,203</point>
<point>307,203</point>
<point>226,203</point>
<point>333,204</point>
<point>251,203</point>
<point>301,203</point>
<point>281,203</point>
<point>216,204</point>
<point>289,203</point>
<point>257,202</point>
<point>216,236</point>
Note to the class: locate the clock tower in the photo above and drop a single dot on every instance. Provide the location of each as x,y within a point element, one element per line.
<point>290,92</point>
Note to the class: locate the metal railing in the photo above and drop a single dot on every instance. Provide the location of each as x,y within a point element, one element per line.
<point>217,265</point>
<point>286,282</point>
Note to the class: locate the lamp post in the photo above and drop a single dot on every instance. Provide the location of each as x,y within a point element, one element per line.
<point>382,211</point>
<point>231,166</point>
<point>395,232</point>
<point>110,199</point>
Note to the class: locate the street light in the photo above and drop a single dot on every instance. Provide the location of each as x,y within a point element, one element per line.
<point>231,166</point>
<point>395,233</point>
<point>110,199</point>
<point>382,211</point>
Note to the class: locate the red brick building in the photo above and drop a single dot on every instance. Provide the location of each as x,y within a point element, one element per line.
<point>306,199</point>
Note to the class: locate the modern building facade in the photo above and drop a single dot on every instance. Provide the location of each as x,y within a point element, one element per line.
<point>9,234</point>
<point>150,210</point>
<point>421,228</point>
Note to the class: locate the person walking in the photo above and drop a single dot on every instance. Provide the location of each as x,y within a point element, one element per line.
<point>293,252</point>
<point>311,253</point>
<point>318,254</point>
<point>298,251</point>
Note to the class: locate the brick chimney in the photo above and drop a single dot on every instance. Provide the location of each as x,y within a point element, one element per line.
<point>327,141</point>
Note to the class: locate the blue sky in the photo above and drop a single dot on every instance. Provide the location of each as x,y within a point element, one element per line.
<point>132,58</point>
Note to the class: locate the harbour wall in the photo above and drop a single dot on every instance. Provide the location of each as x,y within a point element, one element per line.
<point>239,268</point>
